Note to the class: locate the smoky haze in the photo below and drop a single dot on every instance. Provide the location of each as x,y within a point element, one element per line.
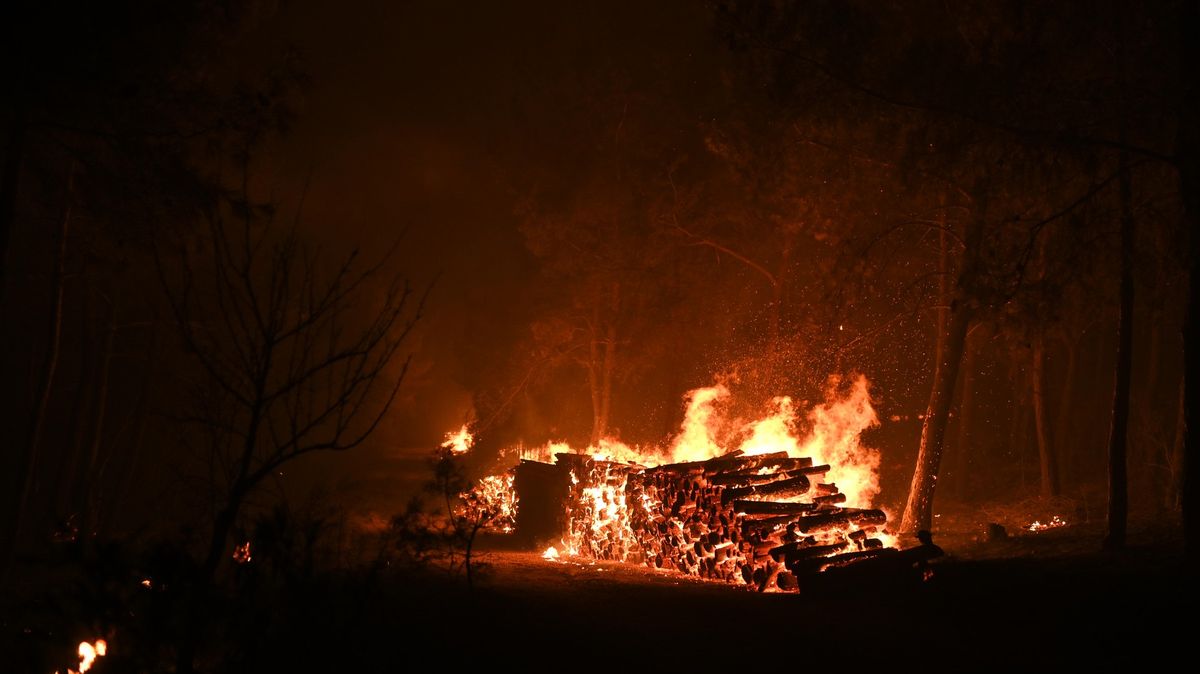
<point>433,122</point>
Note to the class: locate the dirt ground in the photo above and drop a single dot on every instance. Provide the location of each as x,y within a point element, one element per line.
<point>1030,602</point>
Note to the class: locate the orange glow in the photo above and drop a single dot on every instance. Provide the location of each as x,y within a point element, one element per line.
<point>1054,523</point>
<point>88,653</point>
<point>837,425</point>
<point>492,502</point>
<point>697,435</point>
<point>241,554</point>
<point>459,441</point>
<point>619,509</point>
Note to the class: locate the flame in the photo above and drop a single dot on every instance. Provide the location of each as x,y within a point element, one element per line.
<point>774,433</point>
<point>697,435</point>
<point>835,439</point>
<point>492,502</point>
<point>88,653</point>
<point>620,511</point>
<point>459,441</point>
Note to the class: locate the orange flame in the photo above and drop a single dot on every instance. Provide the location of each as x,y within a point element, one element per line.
<point>610,511</point>
<point>697,435</point>
<point>837,426</point>
<point>88,653</point>
<point>492,502</point>
<point>459,441</point>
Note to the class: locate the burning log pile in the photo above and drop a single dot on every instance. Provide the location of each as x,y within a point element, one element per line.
<point>762,520</point>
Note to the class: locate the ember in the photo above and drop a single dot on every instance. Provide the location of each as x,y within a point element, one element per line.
<point>493,502</point>
<point>241,554</point>
<point>1054,523</point>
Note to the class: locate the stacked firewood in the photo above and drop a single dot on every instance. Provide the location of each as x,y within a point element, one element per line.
<point>761,520</point>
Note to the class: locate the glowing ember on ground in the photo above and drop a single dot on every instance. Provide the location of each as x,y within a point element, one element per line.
<point>1054,523</point>
<point>459,441</point>
<point>551,553</point>
<point>241,554</point>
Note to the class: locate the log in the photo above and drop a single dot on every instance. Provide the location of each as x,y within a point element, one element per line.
<point>790,552</point>
<point>753,477</point>
<point>765,524</point>
<point>771,508</point>
<point>848,558</point>
<point>727,463</point>
<point>812,565</point>
<point>792,487</point>
<point>830,498</point>
<point>840,518</point>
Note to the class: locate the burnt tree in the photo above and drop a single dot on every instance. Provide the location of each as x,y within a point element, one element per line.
<point>289,359</point>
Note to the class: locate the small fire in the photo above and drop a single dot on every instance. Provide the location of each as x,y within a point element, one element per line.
<point>241,554</point>
<point>551,553</point>
<point>88,653</point>
<point>1054,523</point>
<point>459,441</point>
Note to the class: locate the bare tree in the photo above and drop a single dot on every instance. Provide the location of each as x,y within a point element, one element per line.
<point>289,359</point>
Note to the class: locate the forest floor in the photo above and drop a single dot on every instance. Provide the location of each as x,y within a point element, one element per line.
<point>1032,601</point>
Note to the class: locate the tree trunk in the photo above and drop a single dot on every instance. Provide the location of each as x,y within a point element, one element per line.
<point>594,377</point>
<point>1176,460</point>
<point>1047,461</point>
<point>918,512</point>
<point>1188,159</point>
<point>1118,497</point>
<point>27,469</point>
<point>68,493</point>
<point>1063,438</point>
<point>91,484</point>
<point>603,365</point>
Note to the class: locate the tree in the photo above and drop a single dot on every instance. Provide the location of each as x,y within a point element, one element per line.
<point>112,115</point>
<point>289,359</point>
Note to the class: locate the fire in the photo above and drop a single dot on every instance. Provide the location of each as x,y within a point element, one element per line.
<point>88,653</point>
<point>696,440</point>
<point>459,441</point>
<point>747,502</point>
<point>492,502</point>
<point>241,554</point>
<point>1054,523</point>
<point>837,426</point>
